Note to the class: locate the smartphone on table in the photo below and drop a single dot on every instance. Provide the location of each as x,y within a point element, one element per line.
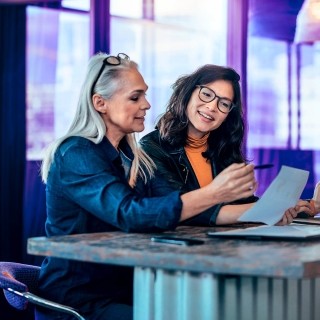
<point>177,240</point>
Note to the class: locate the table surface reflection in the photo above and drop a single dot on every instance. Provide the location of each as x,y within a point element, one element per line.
<point>287,259</point>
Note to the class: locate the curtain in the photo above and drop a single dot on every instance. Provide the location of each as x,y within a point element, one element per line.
<point>12,139</point>
<point>12,128</point>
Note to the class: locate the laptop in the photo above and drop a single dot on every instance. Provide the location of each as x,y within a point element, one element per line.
<point>308,220</point>
<point>293,231</point>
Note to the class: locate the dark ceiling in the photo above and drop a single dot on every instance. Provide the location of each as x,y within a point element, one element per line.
<point>274,19</point>
<point>28,1</point>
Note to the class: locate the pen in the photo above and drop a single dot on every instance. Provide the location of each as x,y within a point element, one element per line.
<point>263,166</point>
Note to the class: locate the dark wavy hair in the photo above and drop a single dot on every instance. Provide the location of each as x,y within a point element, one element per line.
<point>224,143</point>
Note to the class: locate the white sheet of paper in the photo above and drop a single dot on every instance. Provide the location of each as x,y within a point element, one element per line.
<point>299,231</point>
<point>282,194</point>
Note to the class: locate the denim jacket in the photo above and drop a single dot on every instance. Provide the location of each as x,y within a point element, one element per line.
<point>87,191</point>
<point>176,173</point>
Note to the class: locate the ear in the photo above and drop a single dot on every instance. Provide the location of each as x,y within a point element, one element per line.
<point>99,103</point>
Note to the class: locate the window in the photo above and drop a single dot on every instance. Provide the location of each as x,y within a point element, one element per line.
<point>282,109</point>
<point>57,45</point>
<point>181,38</point>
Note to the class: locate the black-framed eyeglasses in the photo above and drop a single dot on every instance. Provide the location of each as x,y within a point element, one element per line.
<point>207,95</point>
<point>111,60</point>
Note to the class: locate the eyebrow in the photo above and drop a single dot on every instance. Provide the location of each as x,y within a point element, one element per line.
<point>139,91</point>
<point>217,94</point>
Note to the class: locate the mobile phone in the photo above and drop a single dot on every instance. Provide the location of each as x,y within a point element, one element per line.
<point>177,240</point>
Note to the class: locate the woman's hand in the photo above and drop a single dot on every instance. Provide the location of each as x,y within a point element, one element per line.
<point>235,182</point>
<point>288,217</point>
<point>306,206</point>
<point>291,213</point>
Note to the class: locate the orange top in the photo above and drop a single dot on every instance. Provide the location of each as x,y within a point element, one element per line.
<point>201,167</point>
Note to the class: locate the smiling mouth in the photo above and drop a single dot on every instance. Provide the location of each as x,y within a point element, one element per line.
<point>205,115</point>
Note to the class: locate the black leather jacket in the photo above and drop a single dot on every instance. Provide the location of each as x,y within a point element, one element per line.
<point>174,172</point>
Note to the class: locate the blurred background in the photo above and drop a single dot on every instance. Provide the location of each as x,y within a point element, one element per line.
<point>167,39</point>
<point>45,46</point>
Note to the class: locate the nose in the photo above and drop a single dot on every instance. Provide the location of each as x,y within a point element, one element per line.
<point>213,105</point>
<point>146,105</point>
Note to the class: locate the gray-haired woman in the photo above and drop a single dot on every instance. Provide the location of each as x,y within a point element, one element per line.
<point>91,173</point>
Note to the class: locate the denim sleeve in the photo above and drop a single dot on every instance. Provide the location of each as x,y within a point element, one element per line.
<point>92,182</point>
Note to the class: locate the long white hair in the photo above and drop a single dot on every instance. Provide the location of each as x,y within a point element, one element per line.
<point>88,123</point>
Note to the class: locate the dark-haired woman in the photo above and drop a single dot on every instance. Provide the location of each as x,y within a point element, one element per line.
<point>200,134</point>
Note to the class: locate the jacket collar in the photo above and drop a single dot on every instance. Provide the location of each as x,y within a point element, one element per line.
<point>113,153</point>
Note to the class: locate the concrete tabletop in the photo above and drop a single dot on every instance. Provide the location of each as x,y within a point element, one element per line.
<point>285,259</point>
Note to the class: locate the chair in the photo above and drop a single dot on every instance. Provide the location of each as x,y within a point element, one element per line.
<point>19,280</point>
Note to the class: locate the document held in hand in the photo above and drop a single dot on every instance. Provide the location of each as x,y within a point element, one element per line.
<point>283,193</point>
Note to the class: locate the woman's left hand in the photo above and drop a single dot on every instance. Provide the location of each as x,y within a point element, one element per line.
<point>291,213</point>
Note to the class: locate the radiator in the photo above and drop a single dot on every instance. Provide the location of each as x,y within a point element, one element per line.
<point>178,295</point>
